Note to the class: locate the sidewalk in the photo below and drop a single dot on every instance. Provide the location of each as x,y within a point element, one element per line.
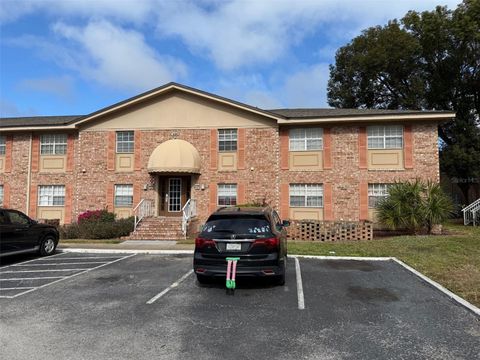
<point>141,245</point>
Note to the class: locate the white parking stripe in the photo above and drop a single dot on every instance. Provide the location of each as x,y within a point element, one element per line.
<point>32,278</point>
<point>84,257</point>
<point>174,285</point>
<point>38,270</point>
<point>64,278</point>
<point>73,263</point>
<point>17,288</point>
<point>51,256</point>
<point>301,299</point>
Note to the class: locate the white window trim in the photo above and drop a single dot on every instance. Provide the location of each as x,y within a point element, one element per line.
<point>3,145</point>
<point>384,137</point>
<point>306,195</point>
<point>234,138</point>
<point>50,193</point>
<point>305,139</point>
<point>55,143</point>
<point>2,194</point>
<point>377,190</point>
<point>228,192</point>
<point>123,190</point>
<point>117,142</point>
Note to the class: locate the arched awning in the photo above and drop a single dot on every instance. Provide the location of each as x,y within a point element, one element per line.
<point>177,156</point>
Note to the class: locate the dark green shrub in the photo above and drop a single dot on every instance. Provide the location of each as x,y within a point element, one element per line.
<point>97,229</point>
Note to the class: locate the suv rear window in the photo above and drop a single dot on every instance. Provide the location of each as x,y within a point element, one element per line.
<point>246,227</point>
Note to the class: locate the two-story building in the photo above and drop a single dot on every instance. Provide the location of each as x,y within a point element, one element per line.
<point>175,146</point>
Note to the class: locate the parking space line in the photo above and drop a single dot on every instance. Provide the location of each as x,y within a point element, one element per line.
<point>301,299</point>
<point>81,271</point>
<point>174,285</point>
<point>32,278</point>
<point>17,288</point>
<point>83,257</point>
<point>53,264</point>
<point>37,270</point>
<point>51,256</point>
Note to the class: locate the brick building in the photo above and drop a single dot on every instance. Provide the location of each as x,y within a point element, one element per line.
<point>175,143</point>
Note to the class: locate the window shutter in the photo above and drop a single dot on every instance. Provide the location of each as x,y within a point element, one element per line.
<point>284,149</point>
<point>240,193</point>
<point>32,211</point>
<point>110,196</point>
<point>138,149</point>
<point>362,147</point>
<point>35,153</point>
<point>8,153</point>
<point>6,195</point>
<point>70,153</point>
<point>68,203</point>
<point>408,146</point>
<point>327,202</point>
<point>213,149</point>
<point>363,201</point>
<point>111,151</point>
<point>327,148</point>
<point>241,149</point>
<point>284,200</point>
<point>212,206</point>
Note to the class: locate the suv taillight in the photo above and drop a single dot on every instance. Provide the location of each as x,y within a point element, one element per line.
<point>201,242</point>
<point>270,243</point>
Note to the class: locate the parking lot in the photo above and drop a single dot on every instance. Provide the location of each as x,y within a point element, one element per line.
<point>137,306</point>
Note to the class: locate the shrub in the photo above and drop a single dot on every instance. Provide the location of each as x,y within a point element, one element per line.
<point>96,216</point>
<point>414,206</point>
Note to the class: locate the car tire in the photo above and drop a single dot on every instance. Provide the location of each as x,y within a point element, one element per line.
<point>202,279</point>
<point>280,280</point>
<point>47,246</point>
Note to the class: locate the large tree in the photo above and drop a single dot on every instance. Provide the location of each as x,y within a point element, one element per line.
<point>428,60</point>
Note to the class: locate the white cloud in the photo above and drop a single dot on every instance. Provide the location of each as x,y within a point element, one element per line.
<point>116,57</point>
<point>59,86</point>
<point>10,109</point>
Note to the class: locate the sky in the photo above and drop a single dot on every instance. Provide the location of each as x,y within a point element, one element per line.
<point>74,57</point>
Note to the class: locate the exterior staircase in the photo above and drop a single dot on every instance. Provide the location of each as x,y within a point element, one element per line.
<point>158,228</point>
<point>471,213</point>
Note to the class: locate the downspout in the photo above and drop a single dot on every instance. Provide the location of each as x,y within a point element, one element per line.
<point>29,174</point>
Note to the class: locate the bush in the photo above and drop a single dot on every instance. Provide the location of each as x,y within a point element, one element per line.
<point>414,206</point>
<point>97,224</point>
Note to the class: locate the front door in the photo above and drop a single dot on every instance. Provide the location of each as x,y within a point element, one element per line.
<point>173,194</point>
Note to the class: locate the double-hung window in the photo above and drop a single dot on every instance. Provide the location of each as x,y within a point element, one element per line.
<point>376,193</point>
<point>1,195</point>
<point>125,142</point>
<point>3,145</point>
<point>53,144</point>
<point>227,140</point>
<point>51,195</point>
<point>306,195</point>
<point>227,194</point>
<point>123,195</point>
<point>385,137</point>
<point>306,139</point>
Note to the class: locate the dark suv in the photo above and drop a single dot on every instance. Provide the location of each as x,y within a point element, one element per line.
<point>256,235</point>
<point>20,234</point>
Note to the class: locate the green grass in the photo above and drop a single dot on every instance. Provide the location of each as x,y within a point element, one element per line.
<point>452,260</point>
<point>91,241</point>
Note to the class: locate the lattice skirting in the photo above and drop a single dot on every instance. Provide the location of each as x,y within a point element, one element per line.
<point>313,230</point>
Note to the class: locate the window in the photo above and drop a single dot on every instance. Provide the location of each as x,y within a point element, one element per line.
<point>376,193</point>
<point>227,194</point>
<point>123,195</point>
<point>227,140</point>
<point>385,137</point>
<point>51,195</point>
<point>18,218</point>
<point>53,144</point>
<point>1,195</point>
<point>306,195</point>
<point>3,145</point>
<point>306,139</point>
<point>125,141</point>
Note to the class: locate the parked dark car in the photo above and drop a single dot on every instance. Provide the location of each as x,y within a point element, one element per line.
<point>256,235</point>
<point>20,234</point>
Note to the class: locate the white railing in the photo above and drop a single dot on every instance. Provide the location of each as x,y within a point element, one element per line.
<point>143,209</point>
<point>471,213</point>
<point>189,210</point>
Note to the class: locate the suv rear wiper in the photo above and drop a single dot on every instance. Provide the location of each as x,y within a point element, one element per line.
<point>224,231</point>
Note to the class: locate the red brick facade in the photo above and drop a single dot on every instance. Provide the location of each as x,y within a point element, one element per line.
<point>262,172</point>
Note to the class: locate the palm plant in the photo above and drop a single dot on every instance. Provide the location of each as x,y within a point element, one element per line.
<point>414,206</point>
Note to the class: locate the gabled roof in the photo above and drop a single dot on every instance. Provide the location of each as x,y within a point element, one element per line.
<point>281,116</point>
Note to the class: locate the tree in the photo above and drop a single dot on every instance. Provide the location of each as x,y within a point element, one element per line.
<point>428,60</point>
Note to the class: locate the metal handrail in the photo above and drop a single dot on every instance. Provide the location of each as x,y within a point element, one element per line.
<point>470,213</point>
<point>473,204</point>
<point>143,209</point>
<point>189,210</point>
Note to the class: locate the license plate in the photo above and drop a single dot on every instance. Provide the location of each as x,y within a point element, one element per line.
<point>234,247</point>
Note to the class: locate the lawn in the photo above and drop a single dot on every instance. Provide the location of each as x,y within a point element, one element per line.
<point>452,260</point>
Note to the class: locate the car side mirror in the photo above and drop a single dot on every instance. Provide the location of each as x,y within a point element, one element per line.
<point>285,223</point>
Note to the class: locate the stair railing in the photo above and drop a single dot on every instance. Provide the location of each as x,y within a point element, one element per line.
<point>189,210</point>
<point>143,209</point>
<point>471,213</point>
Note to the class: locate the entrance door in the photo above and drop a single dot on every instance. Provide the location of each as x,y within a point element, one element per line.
<point>173,194</point>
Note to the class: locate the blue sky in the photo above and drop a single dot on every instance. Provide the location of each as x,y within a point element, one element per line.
<point>74,57</point>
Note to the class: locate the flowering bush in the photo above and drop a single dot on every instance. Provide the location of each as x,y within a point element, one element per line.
<point>96,216</point>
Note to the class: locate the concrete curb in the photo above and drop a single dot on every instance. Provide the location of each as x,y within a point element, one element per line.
<point>424,278</point>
